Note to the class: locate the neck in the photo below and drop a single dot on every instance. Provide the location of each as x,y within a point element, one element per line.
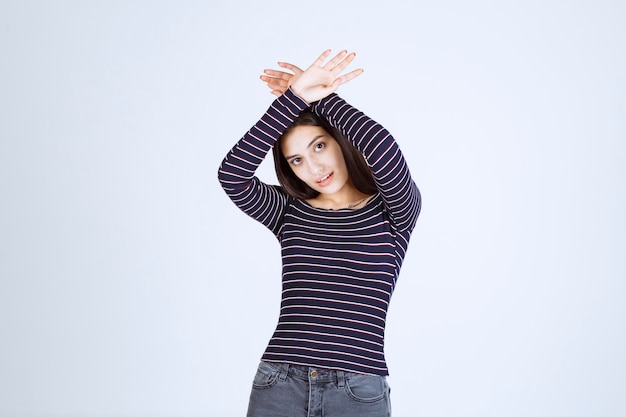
<point>351,199</point>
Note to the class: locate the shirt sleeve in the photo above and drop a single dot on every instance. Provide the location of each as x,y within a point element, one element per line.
<point>382,153</point>
<point>264,203</point>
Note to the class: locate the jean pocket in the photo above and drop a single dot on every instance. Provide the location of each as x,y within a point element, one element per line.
<point>266,376</point>
<point>366,388</point>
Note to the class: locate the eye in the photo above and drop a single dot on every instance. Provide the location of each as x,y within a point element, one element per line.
<point>319,146</point>
<point>295,161</point>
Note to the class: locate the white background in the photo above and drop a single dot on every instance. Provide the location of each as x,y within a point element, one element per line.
<point>131,286</point>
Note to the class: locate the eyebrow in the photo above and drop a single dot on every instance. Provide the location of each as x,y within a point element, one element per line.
<point>308,146</point>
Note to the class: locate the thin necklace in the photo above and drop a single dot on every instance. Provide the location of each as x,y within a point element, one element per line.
<point>351,206</point>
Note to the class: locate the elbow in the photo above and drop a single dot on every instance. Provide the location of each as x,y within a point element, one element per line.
<point>412,212</point>
<point>223,176</point>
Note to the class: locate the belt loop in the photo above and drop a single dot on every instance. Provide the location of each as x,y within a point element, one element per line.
<point>284,369</point>
<point>341,379</point>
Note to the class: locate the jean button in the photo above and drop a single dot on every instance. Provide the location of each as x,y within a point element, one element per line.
<point>313,373</point>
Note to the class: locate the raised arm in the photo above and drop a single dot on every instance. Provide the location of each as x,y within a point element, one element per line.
<point>265,203</point>
<point>382,153</point>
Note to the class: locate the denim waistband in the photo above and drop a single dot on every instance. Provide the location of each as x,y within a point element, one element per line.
<point>311,373</point>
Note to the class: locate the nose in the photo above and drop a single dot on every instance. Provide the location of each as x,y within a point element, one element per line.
<point>315,167</point>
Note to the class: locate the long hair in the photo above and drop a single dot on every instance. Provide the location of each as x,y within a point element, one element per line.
<point>358,170</point>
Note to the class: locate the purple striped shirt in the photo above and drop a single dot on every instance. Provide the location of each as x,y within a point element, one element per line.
<point>339,266</point>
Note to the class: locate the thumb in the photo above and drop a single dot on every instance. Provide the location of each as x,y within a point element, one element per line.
<point>335,85</point>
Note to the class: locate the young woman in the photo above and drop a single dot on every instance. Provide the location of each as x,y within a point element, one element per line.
<point>343,215</point>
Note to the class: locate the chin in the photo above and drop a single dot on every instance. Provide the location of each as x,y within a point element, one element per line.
<point>327,190</point>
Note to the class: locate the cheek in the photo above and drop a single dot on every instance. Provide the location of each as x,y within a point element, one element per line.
<point>338,158</point>
<point>298,172</point>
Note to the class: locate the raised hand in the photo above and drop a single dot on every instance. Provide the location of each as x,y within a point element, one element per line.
<point>279,81</point>
<point>317,81</point>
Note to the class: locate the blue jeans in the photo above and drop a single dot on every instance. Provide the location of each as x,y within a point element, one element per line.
<point>283,390</point>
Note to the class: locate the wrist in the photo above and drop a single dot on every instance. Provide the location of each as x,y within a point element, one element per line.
<point>298,94</point>
<point>296,99</point>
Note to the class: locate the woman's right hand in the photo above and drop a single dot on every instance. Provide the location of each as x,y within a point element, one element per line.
<point>317,81</point>
<point>279,81</point>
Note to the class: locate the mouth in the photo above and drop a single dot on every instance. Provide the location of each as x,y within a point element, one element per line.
<point>325,180</point>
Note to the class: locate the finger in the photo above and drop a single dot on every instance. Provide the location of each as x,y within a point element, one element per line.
<point>277,92</point>
<point>341,65</point>
<point>320,60</point>
<point>290,67</point>
<point>350,76</point>
<point>274,83</point>
<point>336,60</point>
<point>272,80</point>
<point>278,74</point>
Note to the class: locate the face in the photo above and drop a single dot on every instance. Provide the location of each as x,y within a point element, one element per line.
<point>316,158</point>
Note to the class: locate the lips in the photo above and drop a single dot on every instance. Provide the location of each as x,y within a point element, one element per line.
<point>325,180</point>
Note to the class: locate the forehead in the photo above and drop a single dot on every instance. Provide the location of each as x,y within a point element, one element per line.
<point>300,138</point>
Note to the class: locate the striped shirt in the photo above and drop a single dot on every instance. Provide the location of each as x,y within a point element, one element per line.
<point>339,267</point>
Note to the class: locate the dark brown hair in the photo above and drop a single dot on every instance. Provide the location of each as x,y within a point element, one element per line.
<point>358,170</point>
